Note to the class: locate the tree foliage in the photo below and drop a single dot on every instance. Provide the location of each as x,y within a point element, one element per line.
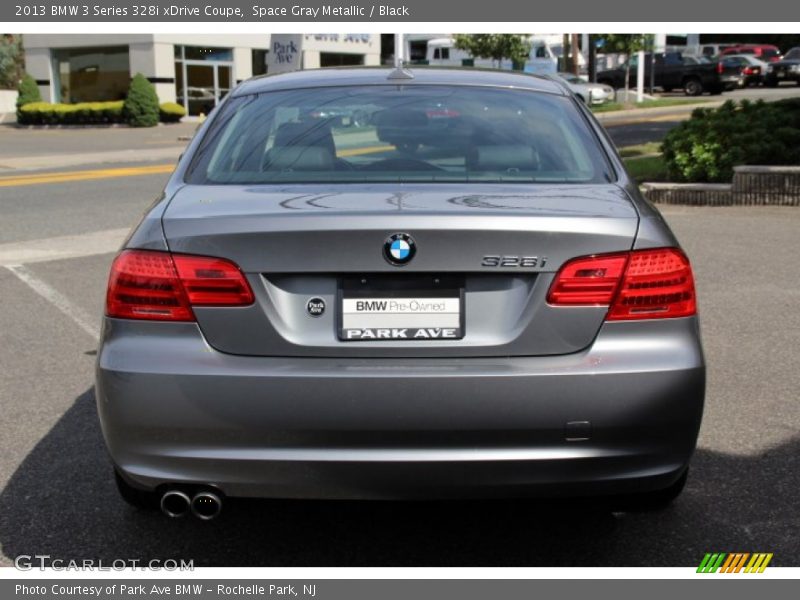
<point>10,61</point>
<point>496,46</point>
<point>707,147</point>
<point>626,43</point>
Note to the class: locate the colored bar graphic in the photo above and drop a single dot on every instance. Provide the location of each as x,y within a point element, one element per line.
<point>703,563</point>
<point>734,562</point>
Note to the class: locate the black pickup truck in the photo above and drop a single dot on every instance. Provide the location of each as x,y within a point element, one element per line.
<point>671,72</point>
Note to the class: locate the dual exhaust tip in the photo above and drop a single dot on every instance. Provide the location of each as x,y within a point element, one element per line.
<point>203,505</point>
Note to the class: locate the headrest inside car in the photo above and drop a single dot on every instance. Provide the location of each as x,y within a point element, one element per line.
<point>401,118</point>
<point>313,132</point>
<point>503,158</point>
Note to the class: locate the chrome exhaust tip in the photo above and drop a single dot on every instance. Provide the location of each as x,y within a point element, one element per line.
<point>206,505</point>
<point>175,503</point>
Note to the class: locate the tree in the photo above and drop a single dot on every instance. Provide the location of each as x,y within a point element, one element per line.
<point>141,105</point>
<point>10,61</point>
<point>629,44</point>
<point>496,46</point>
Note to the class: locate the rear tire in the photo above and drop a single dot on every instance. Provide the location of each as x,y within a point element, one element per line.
<point>692,87</point>
<point>139,499</point>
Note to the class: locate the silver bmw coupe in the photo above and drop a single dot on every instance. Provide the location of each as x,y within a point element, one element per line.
<point>377,283</point>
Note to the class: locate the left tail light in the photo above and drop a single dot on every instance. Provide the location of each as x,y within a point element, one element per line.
<point>155,285</point>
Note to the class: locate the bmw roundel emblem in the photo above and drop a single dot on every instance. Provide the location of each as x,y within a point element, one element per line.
<point>399,249</point>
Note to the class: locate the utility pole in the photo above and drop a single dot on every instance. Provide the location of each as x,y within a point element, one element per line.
<point>592,58</point>
<point>576,66</point>
<point>399,50</point>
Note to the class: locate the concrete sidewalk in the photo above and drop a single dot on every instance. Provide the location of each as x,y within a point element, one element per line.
<point>23,149</point>
<point>679,112</point>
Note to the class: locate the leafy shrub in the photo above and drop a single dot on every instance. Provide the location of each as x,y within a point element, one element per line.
<point>84,113</point>
<point>171,112</point>
<point>713,141</point>
<point>141,105</point>
<point>28,92</point>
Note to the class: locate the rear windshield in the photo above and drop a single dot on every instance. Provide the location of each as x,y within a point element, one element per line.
<point>399,134</point>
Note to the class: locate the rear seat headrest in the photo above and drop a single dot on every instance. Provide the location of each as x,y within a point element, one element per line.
<point>298,158</point>
<point>503,158</point>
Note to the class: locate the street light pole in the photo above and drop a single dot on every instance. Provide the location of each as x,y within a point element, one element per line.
<point>399,50</point>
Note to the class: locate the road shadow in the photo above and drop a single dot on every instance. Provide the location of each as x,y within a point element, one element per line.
<point>61,501</point>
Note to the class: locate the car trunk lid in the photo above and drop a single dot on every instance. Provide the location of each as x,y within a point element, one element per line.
<point>495,246</point>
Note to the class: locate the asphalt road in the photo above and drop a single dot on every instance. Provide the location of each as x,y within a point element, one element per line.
<point>57,495</point>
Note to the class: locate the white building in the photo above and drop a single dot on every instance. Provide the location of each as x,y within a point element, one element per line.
<point>193,70</point>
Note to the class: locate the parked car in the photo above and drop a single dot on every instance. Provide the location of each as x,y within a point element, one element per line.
<point>787,69</point>
<point>499,314</point>
<point>751,69</point>
<point>590,93</point>
<point>695,60</point>
<point>671,72</point>
<point>708,51</point>
<point>730,71</point>
<point>765,52</point>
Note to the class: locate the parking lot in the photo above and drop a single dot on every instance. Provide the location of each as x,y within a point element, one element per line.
<point>57,495</point>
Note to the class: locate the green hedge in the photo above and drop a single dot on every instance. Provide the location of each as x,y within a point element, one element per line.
<point>171,112</point>
<point>88,113</point>
<point>83,113</point>
<point>27,92</point>
<point>713,141</point>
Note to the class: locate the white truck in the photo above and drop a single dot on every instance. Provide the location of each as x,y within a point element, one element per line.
<point>543,58</point>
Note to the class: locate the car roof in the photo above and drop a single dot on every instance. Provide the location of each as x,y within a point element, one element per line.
<point>365,76</point>
<point>738,47</point>
<point>746,56</point>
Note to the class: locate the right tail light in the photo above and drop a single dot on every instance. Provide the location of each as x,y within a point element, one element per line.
<point>641,284</point>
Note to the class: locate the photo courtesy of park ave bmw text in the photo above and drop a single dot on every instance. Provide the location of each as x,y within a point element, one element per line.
<point>415,299</point>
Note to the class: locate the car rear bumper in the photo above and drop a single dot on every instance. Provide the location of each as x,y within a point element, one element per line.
<point>621,416</point>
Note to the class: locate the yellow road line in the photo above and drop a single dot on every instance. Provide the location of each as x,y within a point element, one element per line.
<point>20,180</point>
<point>67,176</point>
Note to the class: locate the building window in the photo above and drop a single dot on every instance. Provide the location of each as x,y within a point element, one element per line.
<point>338,59</point>
<point>260,62</point>
<point>91,74</point>
<point>203,76</point>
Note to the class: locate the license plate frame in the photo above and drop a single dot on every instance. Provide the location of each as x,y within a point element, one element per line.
<point>401,326</point>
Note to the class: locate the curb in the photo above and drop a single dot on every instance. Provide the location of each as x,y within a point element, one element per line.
<point>753,185</point>
<point>676,110</point>
<point>88,126</point>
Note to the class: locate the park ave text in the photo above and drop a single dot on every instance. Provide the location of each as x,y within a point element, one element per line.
<point>256,11</point>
